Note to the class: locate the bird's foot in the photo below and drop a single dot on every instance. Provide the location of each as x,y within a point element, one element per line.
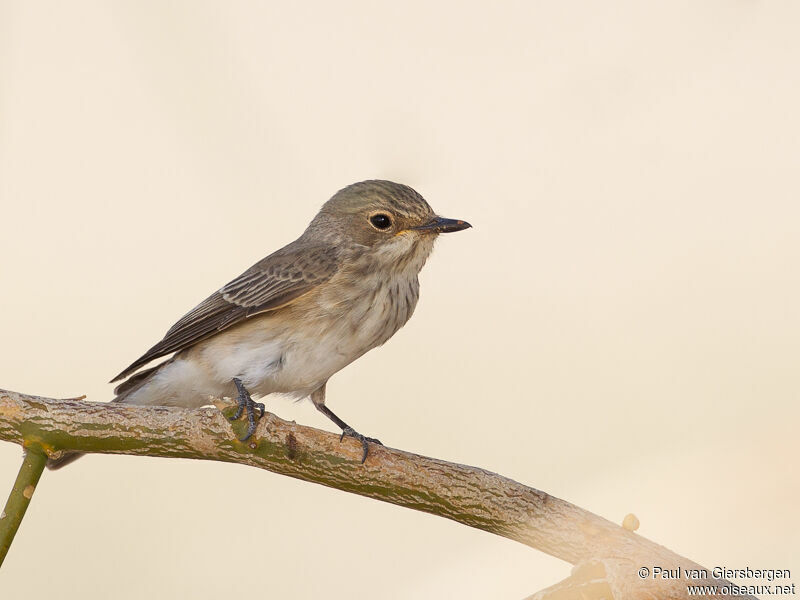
<point>246,404</point>
<point>350,432</point>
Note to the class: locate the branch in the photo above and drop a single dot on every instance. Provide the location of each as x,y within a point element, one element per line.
<point>464,494</point>
<point>29,473</point>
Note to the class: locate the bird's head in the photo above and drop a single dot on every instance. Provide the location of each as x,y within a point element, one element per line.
<point>389,221</point>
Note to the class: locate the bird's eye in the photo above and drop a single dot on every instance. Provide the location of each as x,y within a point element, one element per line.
<point>381,221</point>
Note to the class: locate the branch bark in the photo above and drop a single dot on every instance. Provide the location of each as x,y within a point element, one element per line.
<point>467,495</point>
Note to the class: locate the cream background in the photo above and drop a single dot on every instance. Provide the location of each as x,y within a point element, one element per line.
<point>620,328</point>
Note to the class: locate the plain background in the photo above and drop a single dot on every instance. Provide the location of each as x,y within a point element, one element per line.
<point>620,328</point>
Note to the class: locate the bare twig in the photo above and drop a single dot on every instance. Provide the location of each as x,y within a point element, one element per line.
<point>465,494</point>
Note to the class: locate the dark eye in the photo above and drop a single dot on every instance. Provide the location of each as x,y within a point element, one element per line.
<point>381,221</point>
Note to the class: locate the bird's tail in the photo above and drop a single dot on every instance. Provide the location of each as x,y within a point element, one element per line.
<point>69,457</point>
<point>122,391</point>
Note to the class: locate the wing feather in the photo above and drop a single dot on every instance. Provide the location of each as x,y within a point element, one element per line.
<point>272,283</point>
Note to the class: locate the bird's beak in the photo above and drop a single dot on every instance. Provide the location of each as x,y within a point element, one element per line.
<point>441,225</point>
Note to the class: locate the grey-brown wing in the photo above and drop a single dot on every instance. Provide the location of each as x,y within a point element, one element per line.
<point>272,283</point>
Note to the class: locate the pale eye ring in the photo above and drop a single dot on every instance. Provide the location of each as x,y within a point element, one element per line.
<point>381,221</point>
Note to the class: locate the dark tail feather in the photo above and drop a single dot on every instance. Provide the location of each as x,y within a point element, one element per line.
<point>134,382</point>
<point>69,457</point>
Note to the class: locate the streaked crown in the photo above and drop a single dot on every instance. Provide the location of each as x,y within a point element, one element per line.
<point>379,194</point>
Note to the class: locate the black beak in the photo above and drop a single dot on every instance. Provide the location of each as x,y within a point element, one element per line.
<point>442,225</point>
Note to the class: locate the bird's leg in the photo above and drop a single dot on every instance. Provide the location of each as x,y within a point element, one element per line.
<point>350,432</point>
<point>246,403</point>
<point>318,398</point>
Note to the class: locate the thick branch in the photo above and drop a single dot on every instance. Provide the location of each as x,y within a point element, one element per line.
<point>465,494</point>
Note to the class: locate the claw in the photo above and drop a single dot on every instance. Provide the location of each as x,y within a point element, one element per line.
<point>350,432</point>
<point>246,404</point>
<point>239,412</point>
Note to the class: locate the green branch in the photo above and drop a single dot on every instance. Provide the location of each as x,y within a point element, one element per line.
<point>32,466</point>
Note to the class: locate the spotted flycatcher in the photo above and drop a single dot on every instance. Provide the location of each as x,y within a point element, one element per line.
<point>295,318</point>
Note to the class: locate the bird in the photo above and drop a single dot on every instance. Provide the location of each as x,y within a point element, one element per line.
<point>295,318</point>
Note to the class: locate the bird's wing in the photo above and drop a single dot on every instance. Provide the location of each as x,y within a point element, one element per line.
<point>271,283</point>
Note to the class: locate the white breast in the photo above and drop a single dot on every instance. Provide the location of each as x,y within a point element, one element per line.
<point>343,327</point>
